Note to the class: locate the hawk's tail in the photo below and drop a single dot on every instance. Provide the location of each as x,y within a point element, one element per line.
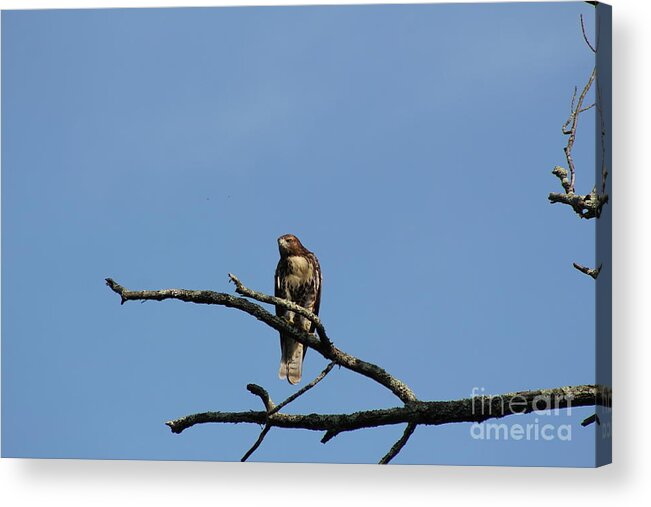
<point>291,361</point>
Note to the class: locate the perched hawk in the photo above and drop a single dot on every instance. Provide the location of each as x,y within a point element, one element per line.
<point>298,279</point>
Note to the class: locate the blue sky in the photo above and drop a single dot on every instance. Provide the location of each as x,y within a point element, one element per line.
<point>410,147</point>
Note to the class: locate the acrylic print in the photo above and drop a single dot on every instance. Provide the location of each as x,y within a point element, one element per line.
<point>336,234</point>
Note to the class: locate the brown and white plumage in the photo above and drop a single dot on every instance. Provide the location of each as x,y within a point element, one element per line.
<point>298,279</point>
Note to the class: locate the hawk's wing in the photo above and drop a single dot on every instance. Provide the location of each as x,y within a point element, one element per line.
<point>317,283</point>
<point>279,290</point>
<point>290,350</point>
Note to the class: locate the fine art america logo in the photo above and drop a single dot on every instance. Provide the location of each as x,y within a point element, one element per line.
<point>543,427</point>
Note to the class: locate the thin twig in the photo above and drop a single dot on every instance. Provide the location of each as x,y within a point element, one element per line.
<point>262,393</point>
<point>585,37</point>
<point>569,118</point>
<point>604,167</point>
<point>589,420</point>
<point>257,443</point>
<point>303,390</point>
<point>397,447</point>
<point>272,409</point>
<point>329,435</point>
<point>561,174</point>
<point>574,120</point>
<point>589,205</point>
<point>586,206</point>
<point>593,272</point>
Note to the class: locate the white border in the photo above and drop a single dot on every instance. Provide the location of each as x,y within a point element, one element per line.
<point>109,483</point>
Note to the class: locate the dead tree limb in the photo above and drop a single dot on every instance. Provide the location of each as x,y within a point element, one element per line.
<point>593,272</point>
<point>303,390</point>
<point>332,353</point>
<point>591,419</point>
<point>585,37</point>
<point>588,205</point>
<point>257,443</point>
<point>477,409</point>
<point>585,206</point>
<point>414,412</point>
<point>272,409</point>
<point>397,447</point>
<point>573,120</point>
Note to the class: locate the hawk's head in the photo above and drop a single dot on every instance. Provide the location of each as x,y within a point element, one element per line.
<point>289,244</point>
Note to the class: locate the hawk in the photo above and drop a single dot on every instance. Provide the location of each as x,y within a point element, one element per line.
<point>298,279</point>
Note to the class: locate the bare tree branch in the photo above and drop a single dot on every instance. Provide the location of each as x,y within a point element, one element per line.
<point>303,390</point>
<point>589,205</point>
<point>329,435</point>
<point>586,206</point>
<point>585,37</point>
<point>477,409</point>
<point>332,353</point>
<point>561,174</point>
<point>604,168</point>
<point>589,420</point>
<point>587,108</point>
<point>257,443</point>
<point>272,409</point>
<point>593,272</point>
<point>397,447</point>
<point>262,393</point>
<point>574,120</point>
<point>413,413</point>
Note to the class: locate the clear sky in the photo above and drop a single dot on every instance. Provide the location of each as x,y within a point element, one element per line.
<point>409,147</point>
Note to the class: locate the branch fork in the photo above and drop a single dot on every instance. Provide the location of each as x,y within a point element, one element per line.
<point>589,205</point>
